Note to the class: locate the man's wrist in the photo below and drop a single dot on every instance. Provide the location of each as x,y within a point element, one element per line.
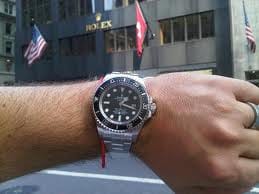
<point>139,147</point>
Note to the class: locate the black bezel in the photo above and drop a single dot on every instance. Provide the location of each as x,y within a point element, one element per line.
<point>115,82</point>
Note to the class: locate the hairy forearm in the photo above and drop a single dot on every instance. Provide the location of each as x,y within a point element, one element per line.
<point>44,126</point>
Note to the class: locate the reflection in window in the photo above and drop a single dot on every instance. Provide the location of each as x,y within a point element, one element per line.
<point>178,29</point>
<point>71,8</point>
<point>187,27</point>
<point>131,38</point>
<point>39,10</point>
<point>110,41</point>
<point>165,31</point>
<point>121,39</point>
<point>77,45</point>
<point>192,27</point>
<point>207,24</point>
<point>112,4</point>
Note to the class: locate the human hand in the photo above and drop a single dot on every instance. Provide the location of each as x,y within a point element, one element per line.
<point>198,141</point>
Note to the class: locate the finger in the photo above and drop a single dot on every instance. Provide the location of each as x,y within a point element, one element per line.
<point>249,147</point>
<point>248,172</point>
<point>244,91</point>
<point>245,113</point>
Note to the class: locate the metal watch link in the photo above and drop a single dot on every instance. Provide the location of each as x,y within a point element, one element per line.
<point>121,106</point>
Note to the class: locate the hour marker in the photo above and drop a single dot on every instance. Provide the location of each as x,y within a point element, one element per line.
<point>122,89</point>
<point>112,116</point>
<point>114,90</point>
<point>106,110</point>
<point>106,102</point>
<point>119,118</point>
<point>133,112</point>
<point>108,95</point>
<point>130,92</point>
<point>127,117</point>
<point>135,97</point>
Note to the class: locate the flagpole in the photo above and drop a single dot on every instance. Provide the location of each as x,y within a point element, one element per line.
<point>153,35</point>
<point>32,22</point>
<point>248,50</point>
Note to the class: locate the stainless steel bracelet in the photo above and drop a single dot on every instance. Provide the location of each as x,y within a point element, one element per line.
<point>118,145</point>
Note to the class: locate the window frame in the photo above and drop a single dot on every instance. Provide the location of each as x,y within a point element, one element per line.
<point>71,49</point>
<point>125,3</point>
<point>7,28</point>
<point>186,39</point>
<point>115,49</point>
<point>11,47</point>
<point>8,8</point>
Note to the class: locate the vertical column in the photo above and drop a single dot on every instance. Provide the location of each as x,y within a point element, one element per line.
<point>102,66</point>
<point>18,46</point>
<point>54,34</point>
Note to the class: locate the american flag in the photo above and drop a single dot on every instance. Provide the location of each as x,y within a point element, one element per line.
<point>36,47</point>
<point>249,32</point>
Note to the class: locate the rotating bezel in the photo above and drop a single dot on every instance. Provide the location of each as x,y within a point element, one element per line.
<point>135,123</point>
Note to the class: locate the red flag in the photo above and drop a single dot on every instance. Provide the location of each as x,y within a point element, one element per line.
<point>141,29</point>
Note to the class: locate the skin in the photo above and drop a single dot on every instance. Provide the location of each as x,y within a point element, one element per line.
<point>198,141</point>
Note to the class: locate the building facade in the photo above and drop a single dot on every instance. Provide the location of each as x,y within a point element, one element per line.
<point>7,41</point>
<point>89,37</point>
<point>246,63</point>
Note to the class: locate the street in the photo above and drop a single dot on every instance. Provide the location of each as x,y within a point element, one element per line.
<point>122,176</point>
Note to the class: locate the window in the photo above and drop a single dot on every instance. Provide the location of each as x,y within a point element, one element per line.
<point>8,47</point>
<point>8,8</point>
<point>37,9</point>
<point>192,27</point>
<point>71,8</point>
<point>110,41</point>
<point>131,38</point>
<point>8,28</point>
<point>112,4</point>
<point>165,32</point>
<point>77,45</point>
<point>121,39</point>
<point>187,28</point>
<point>179,29</point>
<point>207,24</point>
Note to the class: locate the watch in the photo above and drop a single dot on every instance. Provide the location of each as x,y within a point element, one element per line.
<point>121,106</point>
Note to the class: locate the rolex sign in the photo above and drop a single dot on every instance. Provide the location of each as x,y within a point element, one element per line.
<point>99,25</point>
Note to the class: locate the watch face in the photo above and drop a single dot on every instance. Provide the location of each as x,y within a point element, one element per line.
<point>121,103</point>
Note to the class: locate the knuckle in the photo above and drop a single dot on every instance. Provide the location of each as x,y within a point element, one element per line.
<point>222,171</point>
<point>222,105</point>
<point>223,134</point>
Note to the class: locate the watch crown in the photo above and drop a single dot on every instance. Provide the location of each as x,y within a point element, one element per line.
<point>153,107</point>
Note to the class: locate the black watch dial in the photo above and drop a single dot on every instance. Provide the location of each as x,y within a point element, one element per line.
<point>121,104</point>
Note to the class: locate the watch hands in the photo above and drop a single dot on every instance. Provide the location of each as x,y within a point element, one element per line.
<point>127,106</point>
<point>125,99</point>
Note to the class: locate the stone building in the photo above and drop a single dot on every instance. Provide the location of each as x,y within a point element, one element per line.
<point>7,41</point>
